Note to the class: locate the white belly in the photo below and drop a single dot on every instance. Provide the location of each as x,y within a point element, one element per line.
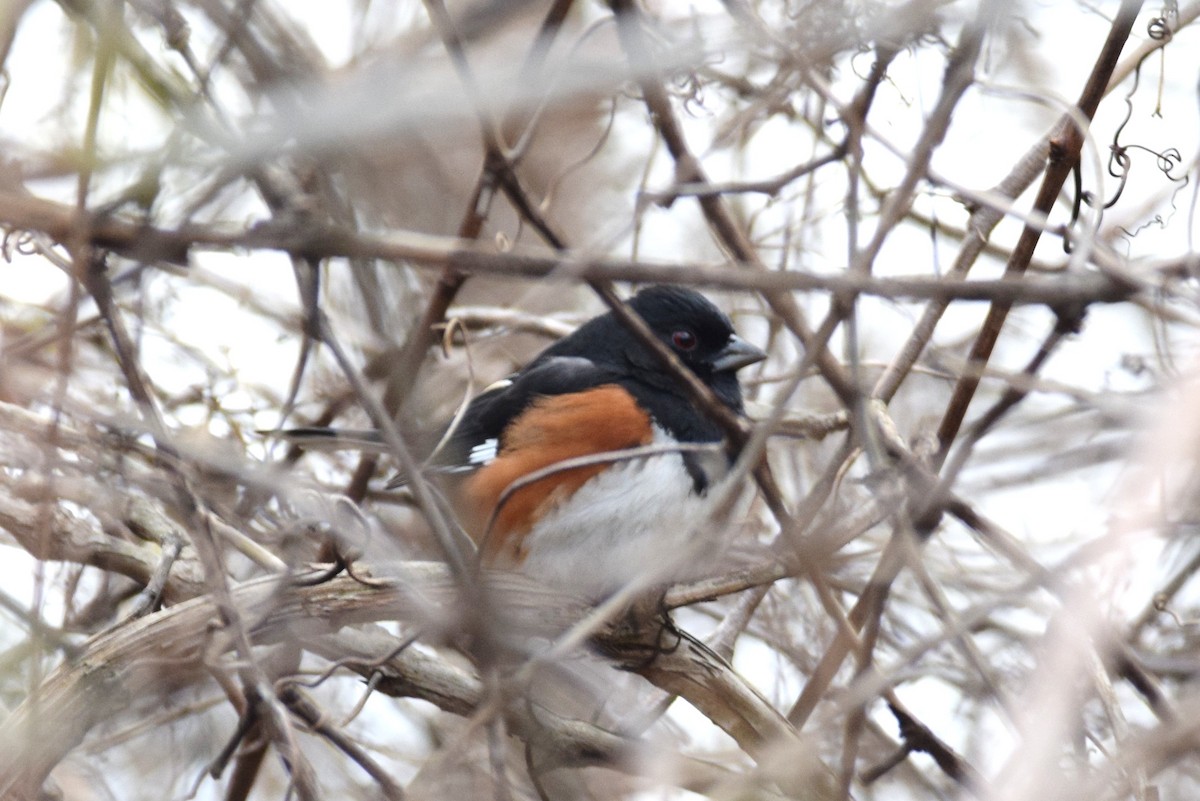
<point>638,520</point>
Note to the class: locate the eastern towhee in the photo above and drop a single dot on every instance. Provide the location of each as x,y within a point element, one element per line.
<point>592,466</point>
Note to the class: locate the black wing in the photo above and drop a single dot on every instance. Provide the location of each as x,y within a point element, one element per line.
<point>479,434</point>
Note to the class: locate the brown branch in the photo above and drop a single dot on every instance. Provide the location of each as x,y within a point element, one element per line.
<point>60,536</point>
<point>689,170</point>
<point>116,670</point>
<point>764,186</point>
<point>682,665</point>
<point>1065,147</point>
<point>959,76</point>
<point>917,737</point>
<point>165,650</point>
<point>305,708</point>
<point>982,222</point>
<point>430,251</point>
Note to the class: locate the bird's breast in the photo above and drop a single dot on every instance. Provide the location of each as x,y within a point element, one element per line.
<point>528,479</point>
<point>590,528</point>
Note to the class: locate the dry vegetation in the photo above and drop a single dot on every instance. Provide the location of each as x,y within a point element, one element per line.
<point>968,569</point>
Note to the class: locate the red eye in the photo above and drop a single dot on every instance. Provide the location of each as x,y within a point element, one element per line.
<point>684,340</point>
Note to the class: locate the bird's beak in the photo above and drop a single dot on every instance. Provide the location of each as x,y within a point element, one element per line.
<point>737,354</point>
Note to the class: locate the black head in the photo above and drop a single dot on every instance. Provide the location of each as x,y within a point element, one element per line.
<point>699,333</point>
<point>688,323</point>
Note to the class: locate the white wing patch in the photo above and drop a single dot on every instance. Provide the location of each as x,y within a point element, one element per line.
<point>503,383</point>
<point>484,452</point>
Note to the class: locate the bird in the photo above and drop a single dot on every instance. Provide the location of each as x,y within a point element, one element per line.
<point>592,466</point>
